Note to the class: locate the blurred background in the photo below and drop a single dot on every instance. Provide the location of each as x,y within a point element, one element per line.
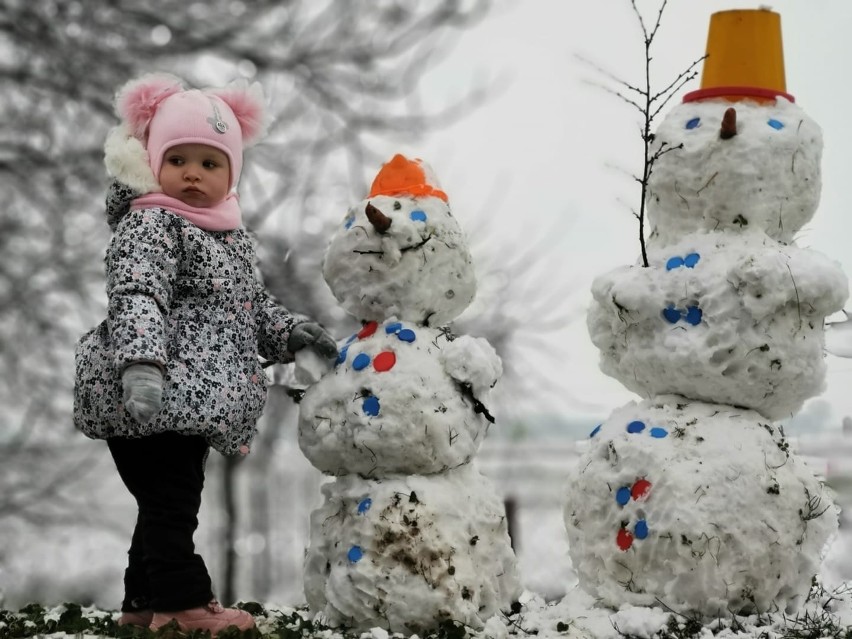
<point>536,159</point>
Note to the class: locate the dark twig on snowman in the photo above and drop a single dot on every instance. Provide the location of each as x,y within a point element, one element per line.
<point>650,104</point>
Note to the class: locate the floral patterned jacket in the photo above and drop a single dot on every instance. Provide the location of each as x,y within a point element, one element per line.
<point>191,301</point>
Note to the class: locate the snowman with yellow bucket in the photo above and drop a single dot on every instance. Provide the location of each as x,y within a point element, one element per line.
<point>692,498</point>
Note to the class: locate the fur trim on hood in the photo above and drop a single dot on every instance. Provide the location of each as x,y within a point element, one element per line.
<point>126,160</point>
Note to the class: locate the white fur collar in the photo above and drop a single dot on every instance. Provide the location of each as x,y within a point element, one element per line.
<point>127,161</point>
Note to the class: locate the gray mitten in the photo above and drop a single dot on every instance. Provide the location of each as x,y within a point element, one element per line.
<point>143,391</point>
<point>313,335</point>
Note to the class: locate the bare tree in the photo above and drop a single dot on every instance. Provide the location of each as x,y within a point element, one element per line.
<point>649,103</point>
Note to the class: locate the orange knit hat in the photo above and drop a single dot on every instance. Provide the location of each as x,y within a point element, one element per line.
<point>402,176</point>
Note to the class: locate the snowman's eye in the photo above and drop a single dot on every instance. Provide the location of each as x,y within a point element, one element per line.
<point>775,124</point>
<point>694,122</point>
<point>418,216</point>
<point>348,222</point>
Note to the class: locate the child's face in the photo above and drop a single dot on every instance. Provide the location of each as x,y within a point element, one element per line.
<point>195,174</point>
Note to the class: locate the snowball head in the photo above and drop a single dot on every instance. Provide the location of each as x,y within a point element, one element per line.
<point>699,507</point>
<point>418,268</point>
<point>400,399</point>
<point>764,178</point>
<point>732,319</point>
<point>408,552</point>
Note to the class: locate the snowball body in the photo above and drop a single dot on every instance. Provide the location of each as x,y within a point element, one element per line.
<point>759,308</point>
<point>429,549</point>
<point>731,520</point>
<point>413,417</point>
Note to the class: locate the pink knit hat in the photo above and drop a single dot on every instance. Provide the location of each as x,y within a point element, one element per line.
<point>162,115</point>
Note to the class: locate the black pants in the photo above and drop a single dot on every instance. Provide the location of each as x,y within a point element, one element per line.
<point>165,474</point>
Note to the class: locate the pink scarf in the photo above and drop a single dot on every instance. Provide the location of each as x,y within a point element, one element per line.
<point>225,216</point>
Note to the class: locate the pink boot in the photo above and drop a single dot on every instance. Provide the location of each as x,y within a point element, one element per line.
<point>212,617</point>
<point>136,618</point>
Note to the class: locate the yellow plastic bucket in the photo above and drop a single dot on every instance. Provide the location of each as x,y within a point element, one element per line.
<point>745,57</point>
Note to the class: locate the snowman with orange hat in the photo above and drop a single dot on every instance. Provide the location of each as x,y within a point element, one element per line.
<point>410,533</point>
<point>692,497</point>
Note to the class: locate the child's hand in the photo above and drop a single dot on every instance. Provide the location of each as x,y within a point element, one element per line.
<point>143,391</point>
<point>313,335</point>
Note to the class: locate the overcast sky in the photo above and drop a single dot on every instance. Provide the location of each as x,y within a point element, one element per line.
<point>552,151</point>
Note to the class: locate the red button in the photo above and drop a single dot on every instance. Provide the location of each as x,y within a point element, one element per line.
<point>624,539</point>
<point>369,329</point>
<point>640,489</point>
<point>384,361</point>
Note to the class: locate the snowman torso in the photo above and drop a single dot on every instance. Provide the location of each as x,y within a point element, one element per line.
<point>729,318</point>
<point>391,406</point>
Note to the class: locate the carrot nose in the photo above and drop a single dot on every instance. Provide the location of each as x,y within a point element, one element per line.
<point>379,220</point>
<point>729,124</point>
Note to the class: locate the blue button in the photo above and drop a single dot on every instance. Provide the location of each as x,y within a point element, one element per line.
<point>691,260</point>
<point>365,504</point>
<point>393,327</point>
<point>355,553</point>
<point>361,361</point>
<point>641,529</point>
<point>671,314</point>
<point>406,335</point>
<point>622,495</point>
<point>635,427</point>
<point>418,215</point>
<point>674,262</point>
<point>693,315</point>
<point>659,433</point>
<point>371,405</point>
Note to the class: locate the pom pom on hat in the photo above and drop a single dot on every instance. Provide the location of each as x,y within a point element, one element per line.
<point>137,101</point>
<point>247,103</point>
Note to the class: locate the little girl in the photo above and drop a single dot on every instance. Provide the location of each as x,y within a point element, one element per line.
<point>174,368</point>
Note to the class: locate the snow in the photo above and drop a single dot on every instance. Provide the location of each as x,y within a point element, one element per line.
<point>419,270</point>
<point>758,341</point>
<point>408,551</point>
<point>766,178</point>
<point>423,424</point>
<point>700,506</point>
